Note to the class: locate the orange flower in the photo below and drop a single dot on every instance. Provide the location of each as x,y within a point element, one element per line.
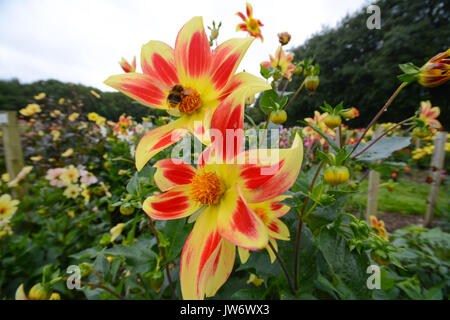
<point>195,79</point>
<point>126,66</point>
<point>251,25</point>
<point>220,194</point>
<point>436,71</point>
<point>429,114</point>
<point>378,227</point>
<point>282,61</point>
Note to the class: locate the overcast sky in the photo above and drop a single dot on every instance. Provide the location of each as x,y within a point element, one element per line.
<point>81,41</point>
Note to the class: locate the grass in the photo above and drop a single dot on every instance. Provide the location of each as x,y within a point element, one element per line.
<point>409,197</point>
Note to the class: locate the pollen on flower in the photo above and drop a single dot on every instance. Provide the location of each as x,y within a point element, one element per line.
<point>206,188</point>
<point>190,102</point>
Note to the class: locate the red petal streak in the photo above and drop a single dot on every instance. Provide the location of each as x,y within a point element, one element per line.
<point>273,226</point>
<point>165,72</point>
<point>143,89</point>
<point>199,54</point>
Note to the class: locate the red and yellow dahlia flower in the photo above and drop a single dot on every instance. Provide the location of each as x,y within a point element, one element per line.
<point>251,25</point>
<point>281,61</point>
<point>378,227</point>
<point>270,212</point>
<point>429,115</point>
<point>206,78</point>
<point>319,122</point>
<point>218,192</point>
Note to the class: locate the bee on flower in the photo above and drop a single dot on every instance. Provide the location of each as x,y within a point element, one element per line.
<point>250,24</point>
<point>189,81</point>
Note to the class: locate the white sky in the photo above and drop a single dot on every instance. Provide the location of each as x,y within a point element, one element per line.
<point>81,41</point>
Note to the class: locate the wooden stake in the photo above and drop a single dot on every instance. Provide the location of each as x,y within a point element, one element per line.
<point>374,181</point>
<point>13,149</point>
<point>437,163</point>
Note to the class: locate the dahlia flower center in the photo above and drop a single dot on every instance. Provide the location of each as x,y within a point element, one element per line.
<point>262,214</point>
<point>253,25</point>
<point>190,102</point>
<point>2,209</point>
<point>207,188</point>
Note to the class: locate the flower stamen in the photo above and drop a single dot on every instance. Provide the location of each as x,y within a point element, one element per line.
<point>207,188</point>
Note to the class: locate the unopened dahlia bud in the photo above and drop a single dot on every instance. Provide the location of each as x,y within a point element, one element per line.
<point>38,292</point>
<point>284,38</point>
<point>436,71</point>
<point>336,175</point>
<point>312,82</point>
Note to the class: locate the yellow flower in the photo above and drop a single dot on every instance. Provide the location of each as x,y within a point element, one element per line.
<point>40,96</point>
<point>72,191</point>
<point>86,193</point>
<point>20,176</point>
<point>67,153</point>
<point>5,177</point>
<point>71,213</point>
<point>70,175</point>
<point>95,94</point>
<point>255,280</point>
<point>7,206</point>
<point>30,109</point>
<point>74,116</point>
<point>122,172</point>
<point>61,101</point>
<point>36,158</point>
<point>55,113</point>
<point>56,134</point>
<point>100,121</point>
<point>92,116</point>
<point>116,231</point>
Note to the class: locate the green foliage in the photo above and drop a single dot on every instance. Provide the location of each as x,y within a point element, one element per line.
<point>425,255</point>
<point>15,95</point>
<point>351,57</point>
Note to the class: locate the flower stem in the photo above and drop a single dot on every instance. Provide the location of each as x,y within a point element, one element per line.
<point>163,255</point>
<point>300,224</point>
<point>388,103</point>
<point>381,136</point>
<point>295,95</point>
<point>283,266</point>
<point>99,287</point>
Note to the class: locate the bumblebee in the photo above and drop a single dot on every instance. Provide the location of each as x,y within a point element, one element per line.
<point>176,95</point>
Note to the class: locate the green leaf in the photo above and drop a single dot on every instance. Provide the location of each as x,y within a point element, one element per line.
<point>132,185</point>
<point>265,72</point>
<point>247,294</point>
<point>268,101</point>
<point>347,268</point>
<point>383,148</point>
<point>409,68</point>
